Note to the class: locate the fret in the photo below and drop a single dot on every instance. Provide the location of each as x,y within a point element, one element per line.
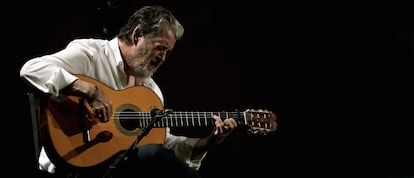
<point>192,115</point>
<point>162,122</point>
<point>206,120</point>
<point>198,121</point>
<point>181,123</point>
<point>187,122</point>
<point>170,122</point>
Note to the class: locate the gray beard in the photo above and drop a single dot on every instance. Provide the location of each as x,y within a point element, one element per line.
<point>144,73</point>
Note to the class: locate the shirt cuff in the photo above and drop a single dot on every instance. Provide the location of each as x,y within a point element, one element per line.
<point>59,79</point>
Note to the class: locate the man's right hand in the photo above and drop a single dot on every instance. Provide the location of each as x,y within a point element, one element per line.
<point>99,103</point>
<point>101,106</point>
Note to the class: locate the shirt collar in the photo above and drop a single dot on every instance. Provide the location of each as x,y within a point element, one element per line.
<point>114,44</point>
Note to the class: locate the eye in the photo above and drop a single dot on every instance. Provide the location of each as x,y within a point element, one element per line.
<point>163,48</point>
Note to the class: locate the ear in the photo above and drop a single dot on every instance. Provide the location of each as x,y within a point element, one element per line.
<point>136,34</point>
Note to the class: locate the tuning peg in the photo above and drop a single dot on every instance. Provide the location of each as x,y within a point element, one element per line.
<point>263,132</point>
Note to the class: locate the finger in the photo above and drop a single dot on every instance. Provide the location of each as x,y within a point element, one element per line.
<point>97,113</point>
<point>230,123</point>
<point>105,116</point>
<point>109,109</point>
<point>108,112</point>
<point>215,131</point>
<point>219,124</point>
<point>219,129</point>
<point>216,118</point>
<point>100,114</point>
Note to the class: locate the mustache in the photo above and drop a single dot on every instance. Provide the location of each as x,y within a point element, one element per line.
<point>156,61</point>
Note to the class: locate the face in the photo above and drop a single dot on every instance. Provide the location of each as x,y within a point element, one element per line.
<point>150,53</point>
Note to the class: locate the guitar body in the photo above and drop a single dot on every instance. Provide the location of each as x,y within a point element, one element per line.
<point>65,121</point>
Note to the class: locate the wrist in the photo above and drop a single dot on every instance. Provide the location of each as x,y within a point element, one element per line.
<point>92,95</point>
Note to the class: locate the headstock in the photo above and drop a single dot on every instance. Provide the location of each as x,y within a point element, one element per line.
<point>260,121</point>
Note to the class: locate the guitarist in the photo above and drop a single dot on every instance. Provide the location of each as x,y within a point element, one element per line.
<point>129,59</point>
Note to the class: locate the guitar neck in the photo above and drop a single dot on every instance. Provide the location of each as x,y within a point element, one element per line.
<point>180,119</point>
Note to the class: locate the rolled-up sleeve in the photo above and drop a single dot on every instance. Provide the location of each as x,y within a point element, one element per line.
<point>51,73</point>
<point>50,80</point>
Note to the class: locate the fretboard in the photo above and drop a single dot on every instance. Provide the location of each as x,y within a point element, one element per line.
<point>180,119</point>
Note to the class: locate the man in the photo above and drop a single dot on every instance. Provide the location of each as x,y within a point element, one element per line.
<point>130,59</point>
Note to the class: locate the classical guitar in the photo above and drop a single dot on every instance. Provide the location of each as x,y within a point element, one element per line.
<point>82,141</point>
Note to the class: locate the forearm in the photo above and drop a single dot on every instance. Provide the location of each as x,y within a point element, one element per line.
<point>217,136</point>
<point>81,88</point>
<point>202,146</point>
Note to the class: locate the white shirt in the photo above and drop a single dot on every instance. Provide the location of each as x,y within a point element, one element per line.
<point>101,60</point>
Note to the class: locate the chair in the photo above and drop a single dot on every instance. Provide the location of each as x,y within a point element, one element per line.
<point>32,105</point>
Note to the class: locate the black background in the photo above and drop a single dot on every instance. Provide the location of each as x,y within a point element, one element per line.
<point>338,76</point>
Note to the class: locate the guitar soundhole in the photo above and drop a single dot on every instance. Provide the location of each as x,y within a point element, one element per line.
<point>128,120</point>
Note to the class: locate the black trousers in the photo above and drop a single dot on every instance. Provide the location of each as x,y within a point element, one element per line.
<point>150,160</point>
